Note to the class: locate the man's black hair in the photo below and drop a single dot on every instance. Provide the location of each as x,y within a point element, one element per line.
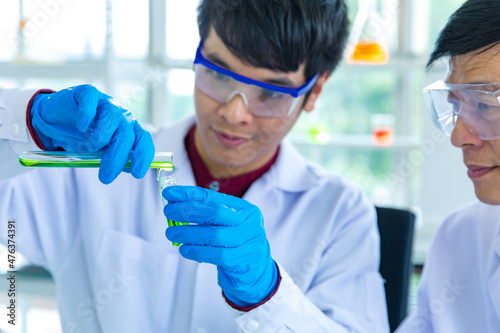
<point>475,25</point>
<point>279,34</point>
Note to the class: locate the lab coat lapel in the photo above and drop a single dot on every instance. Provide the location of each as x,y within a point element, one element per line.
<point>494,283</point>
<point>268,203</point>
<point>288,174</point>
<point>292,172</point>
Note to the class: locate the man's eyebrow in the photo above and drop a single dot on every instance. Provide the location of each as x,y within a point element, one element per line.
<point>218,61</point>
<point>285,82</point>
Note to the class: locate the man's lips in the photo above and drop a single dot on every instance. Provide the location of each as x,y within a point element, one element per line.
<point>230,139</point>
<point>476,171</point>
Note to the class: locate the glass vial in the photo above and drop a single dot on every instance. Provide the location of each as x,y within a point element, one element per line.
<point>167,179</point>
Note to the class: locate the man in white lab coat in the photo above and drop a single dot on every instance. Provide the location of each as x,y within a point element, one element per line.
<point>460,286</point>
<point>292,248</point>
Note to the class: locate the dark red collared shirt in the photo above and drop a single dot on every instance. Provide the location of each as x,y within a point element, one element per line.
<point>236,186</point>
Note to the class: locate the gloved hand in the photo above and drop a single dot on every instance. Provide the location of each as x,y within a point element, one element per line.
<point>83,119</point>
<point>230,234</point>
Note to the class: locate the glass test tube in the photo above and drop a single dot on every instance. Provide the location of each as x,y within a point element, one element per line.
<point>62,159</point>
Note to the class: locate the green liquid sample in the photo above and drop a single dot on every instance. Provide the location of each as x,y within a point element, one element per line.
<point>173,224</point>
<point>83,160</point>
<point>86,164</point>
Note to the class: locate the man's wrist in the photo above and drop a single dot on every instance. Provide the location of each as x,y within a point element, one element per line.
<point>251,307</point>
<point>29,116</point>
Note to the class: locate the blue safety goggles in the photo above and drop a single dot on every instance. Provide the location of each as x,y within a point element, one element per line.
<point>261,99</point>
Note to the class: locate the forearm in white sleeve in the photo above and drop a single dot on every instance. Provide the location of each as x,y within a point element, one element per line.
<point>14,134</point>
<point>289,310</point>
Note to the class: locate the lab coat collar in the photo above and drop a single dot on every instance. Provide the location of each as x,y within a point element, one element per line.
<point>290,172</point>
<point>494,283</point>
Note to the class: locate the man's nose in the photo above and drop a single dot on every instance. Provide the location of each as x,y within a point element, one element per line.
<point>235,110</point>
<point>462,135</point>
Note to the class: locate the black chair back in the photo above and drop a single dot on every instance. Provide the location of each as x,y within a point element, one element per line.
<point>396,227</point>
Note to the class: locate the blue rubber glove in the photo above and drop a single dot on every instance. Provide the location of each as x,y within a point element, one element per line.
<point>83,119</point>
<point>229,233</point>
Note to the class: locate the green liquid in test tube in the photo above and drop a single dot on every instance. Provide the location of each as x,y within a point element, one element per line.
<point>62,159</point>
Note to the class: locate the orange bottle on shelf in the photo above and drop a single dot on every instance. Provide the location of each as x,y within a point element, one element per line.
<point>366,44</point>
<point>369,53</point>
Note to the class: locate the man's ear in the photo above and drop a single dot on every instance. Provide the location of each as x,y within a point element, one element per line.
<point>315,91</point>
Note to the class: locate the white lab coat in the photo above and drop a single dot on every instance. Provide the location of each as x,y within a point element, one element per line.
<point>116,272</point>
<point>460,287</point>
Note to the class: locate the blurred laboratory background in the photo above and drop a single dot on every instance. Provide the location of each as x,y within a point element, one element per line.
<point>370,124</point>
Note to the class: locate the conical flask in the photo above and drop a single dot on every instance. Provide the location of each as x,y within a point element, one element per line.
<point>366,43</point>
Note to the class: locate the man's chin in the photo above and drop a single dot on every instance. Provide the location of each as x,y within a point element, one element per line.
<point>488,197</point>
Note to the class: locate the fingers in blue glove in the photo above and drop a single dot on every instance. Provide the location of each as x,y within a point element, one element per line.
<point>87,98</point>
<point>107,120</point>
<point>220,220</point>
<point>117,154</point>
<point>215,236</point>
<point>230,259</point>
<point>143,152</point>
<point>127,137</point>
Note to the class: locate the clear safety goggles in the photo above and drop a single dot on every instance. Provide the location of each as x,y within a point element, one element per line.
<point>477,105</point>
<point>260,98</point>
